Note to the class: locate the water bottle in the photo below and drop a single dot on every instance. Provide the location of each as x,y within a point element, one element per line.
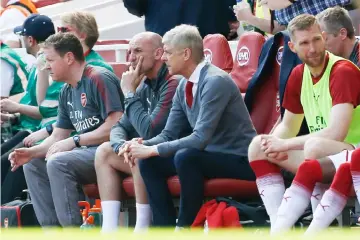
<point>89,223</point>
<point>6,131</point>
<point>245,4</point>
<point>96,213</point>
<point>41,61</point>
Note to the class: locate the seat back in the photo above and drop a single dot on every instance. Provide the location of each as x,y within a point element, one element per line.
<point>266,107</point>
<point>110,55</point>
<point>217,51</point>
<point>119,68</point>
<point>107,55</point>
<point>247,58</point>
<point>44,3</point>
<point>112,41</point>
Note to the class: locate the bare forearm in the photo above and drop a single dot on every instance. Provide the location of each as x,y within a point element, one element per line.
<point>42,85</point>
<point>297,143</point>
<point>40,150</point>
<point>96,137</point>
<point>13,44</point>
<point>265,25</point>
<point>30,111</point>
<point>283,132</point>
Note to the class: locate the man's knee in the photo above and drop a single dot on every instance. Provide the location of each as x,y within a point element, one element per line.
<point>344,169</point>
<point>255,152</point>
<point>310,170</point>
<point>313,148</point>
<point>32,165</point>
<point>355,160</point>
<point>185,157</point>
<point>144,166</point>
<point>102,154</point>
<point>57,162</point>
<point>148,166</point>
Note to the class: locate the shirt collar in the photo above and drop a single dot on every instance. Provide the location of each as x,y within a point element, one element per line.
<point>87,53</point>
<point>194,78</point>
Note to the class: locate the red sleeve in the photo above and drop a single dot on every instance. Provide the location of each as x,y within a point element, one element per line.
<point>345,83</point>
<point>291,101</point>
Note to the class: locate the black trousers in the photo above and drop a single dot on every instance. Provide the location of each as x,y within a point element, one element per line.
<point>192,166</point>
<point>12,183</point>
<point>15,140</point>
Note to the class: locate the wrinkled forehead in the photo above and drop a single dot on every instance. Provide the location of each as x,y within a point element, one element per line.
<point>170,48</point>
<point>308,34</point>
<point>140,43</point>
<point>50,52</point>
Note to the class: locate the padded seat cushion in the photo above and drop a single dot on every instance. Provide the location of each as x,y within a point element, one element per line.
<point>213,188</point>
<point>91,190</point>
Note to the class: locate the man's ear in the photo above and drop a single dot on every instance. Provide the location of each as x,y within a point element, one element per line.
<point>32,41</point>
<point>292,46</point>
<point>343,33</point>
<point>82,36</point>
<point>69,58</point>
<point>158,53</point>
<point>187,54</point>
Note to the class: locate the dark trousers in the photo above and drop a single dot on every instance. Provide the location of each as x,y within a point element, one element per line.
<point>192,166</point>
<point>15,140</point>
<point>12,183</point>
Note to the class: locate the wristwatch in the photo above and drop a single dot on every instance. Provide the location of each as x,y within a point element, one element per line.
<point>129,94</point>
<point>49,129</point>
<point>77,140</point>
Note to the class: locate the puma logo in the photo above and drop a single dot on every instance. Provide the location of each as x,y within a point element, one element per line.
<point>324,206</point>
<point>71,104</point>
<point>317,196</point>
<point>286,198</point>
<point>316,96</point>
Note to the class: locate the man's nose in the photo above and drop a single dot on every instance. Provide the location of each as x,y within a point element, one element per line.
<point>163,57</point>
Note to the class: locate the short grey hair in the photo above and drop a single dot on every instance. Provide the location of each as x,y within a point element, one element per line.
<point>300,23</point>
<point>186,36</point>
<point>335,18</point>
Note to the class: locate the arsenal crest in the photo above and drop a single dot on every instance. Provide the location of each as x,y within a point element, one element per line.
<point>83,99</point>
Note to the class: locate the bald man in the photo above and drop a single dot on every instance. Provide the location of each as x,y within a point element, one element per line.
<point>147,106</point>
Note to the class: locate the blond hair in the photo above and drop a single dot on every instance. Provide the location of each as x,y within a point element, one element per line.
<point>300,23</point>
<point>83,22</point>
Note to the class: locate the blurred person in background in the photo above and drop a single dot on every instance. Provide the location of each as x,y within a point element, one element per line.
<point>14,13</point>
<point>210,16</point>
<point>25,115</point>
<point>283,11</point>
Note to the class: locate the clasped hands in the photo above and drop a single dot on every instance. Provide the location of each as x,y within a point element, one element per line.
<point>274,148</point>
<point>134,150</point>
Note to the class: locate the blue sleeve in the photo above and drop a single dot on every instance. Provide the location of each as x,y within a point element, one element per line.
<point>213,100</point>
<point>176,124</point>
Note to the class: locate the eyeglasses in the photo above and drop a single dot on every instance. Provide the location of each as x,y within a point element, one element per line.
<point>63,29</point>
